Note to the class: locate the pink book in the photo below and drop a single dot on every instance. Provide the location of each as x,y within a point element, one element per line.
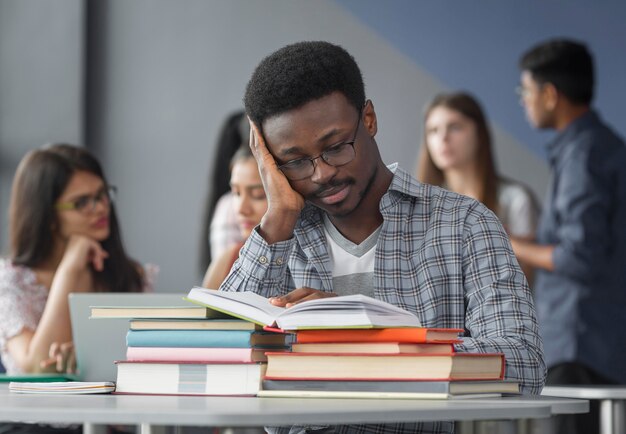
<point>202,355</point>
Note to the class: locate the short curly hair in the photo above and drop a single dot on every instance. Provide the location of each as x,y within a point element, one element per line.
<point>299,73</point>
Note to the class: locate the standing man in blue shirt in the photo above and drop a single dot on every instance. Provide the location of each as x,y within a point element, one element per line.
<point>339,221</point>
<point>580,253</point>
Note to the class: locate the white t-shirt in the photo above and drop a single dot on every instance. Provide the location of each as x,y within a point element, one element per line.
<point>352,264</point>
<point>517,208</point>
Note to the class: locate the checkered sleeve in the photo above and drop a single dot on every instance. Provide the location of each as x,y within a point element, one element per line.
<point>261,268</point>
<point>500,314</point>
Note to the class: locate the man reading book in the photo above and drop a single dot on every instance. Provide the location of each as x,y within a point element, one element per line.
<point>339,221</point>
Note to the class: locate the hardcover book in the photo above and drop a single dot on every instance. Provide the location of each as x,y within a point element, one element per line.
<point>205,338</point>
<point>328,394</point>
<point>352,311</point>
<point>198,355</point>
<point>373,347</point>
<point>336,366</point>
<point>416,335</point>
<point>429,389</point>
<point>154,312</point>
<point>171,378</point>
<point>193,324</point>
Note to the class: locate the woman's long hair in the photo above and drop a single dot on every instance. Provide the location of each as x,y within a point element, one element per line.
<point>40,180</point>
<point>469,107</point>
<point>234,133</point>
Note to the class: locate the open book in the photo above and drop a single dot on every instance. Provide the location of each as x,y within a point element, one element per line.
<point>350,311</point>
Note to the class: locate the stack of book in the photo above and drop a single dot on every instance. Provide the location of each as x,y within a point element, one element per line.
<point>356,346</point>
<point>383,363</point>
<point>191,351</point>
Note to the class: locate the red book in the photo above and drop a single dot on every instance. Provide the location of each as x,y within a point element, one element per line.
<point>372,347</point>
<point>417,335</point>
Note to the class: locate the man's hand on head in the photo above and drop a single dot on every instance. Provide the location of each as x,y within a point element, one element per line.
<point>283,202</point>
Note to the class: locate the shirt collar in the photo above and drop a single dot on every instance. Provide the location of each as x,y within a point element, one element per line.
<point>402,184</point>
<point>568,135</point>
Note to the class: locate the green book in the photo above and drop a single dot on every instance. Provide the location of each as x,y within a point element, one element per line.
<point>40,378</point>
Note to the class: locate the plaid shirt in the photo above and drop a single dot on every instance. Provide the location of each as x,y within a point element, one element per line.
<point>443,256</point>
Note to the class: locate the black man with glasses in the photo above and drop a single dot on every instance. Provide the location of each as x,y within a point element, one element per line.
<point>340,222</point>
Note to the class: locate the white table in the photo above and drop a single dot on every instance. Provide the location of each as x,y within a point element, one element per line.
<point>612,399</point>
<point>557,406</point>
<point>241,412</point>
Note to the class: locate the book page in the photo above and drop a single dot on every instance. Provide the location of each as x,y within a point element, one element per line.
<point>245,305</point>
<point>359,311</point>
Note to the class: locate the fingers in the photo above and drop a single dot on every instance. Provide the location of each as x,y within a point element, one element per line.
<point>82,252</point>
<point>71,363</point>
<point>252,140</point>
<point>69,356</point>
<point>313,296</point>
<point>53,351</point>
<point>98,255</point>
<point>300,295</point>
<point>257,144</point>
<point>61,357</point>
<point>259,149</point>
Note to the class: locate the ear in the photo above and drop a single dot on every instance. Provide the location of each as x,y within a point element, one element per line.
<point>550,96</point>
<point>369,118</point>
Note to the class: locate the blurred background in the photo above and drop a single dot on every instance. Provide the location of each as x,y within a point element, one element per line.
<point>146,84</point>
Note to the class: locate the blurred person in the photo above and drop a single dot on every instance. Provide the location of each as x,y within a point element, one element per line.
<point>457,154</point>
<point>580,251</point>
<point>64,238</point>
<point>249,204</point>
<point>220,228</point>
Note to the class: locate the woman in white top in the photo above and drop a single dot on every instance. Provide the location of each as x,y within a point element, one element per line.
<point>456,154</point>
<point>249,205</point>
<point>64,238</point>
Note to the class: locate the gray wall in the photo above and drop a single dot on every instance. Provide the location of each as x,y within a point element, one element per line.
<point>167,74</point>
<point>41,81</point>
<point>160,77</point>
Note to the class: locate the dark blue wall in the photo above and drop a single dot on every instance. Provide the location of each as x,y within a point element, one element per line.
<point>475,45</point>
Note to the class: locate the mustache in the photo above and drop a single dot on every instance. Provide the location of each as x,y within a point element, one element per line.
<point>332,184</point>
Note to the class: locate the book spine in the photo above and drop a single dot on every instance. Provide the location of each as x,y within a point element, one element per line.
<point>189,338</point>
<point>168,354</point>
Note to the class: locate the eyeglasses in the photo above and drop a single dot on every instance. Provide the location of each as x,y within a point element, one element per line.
<point>525,92</point>
<point>337,155</point>
<point>87,203</point>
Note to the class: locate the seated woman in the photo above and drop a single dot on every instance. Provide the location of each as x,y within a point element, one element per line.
<point>249,203</point>
<point>64,238</point>
<point>456,154</point>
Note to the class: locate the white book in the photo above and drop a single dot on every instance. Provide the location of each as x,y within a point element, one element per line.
<point>184,378</point>
<point>63,387</point>
<point>350,311</point>
<point>367,395</point>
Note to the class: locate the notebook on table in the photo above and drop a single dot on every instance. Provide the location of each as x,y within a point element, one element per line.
<point>100,342</point>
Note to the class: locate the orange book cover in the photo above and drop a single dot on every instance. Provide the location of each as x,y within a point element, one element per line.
<point>416,335</point>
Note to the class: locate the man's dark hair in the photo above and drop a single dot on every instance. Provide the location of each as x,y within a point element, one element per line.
<point>299,73</point>
<point>566,64</point>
